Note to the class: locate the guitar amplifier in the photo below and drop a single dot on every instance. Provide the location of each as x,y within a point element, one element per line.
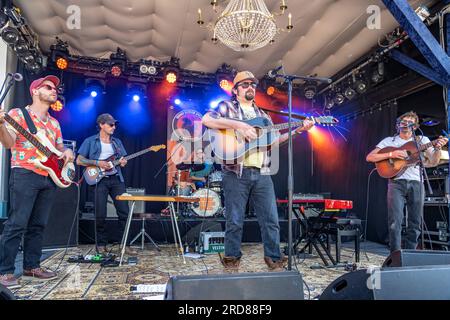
<point>139,206</point>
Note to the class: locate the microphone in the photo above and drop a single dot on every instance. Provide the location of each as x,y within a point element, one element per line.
<point>273,73</point>
<point>16,76</point>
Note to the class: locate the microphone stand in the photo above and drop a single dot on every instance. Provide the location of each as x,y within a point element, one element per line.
<point>289,79</point>
<point>423,174</point>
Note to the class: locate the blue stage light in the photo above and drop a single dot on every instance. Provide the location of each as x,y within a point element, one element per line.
<point>136,98</point>
<point>177,102</point>
<point>93,93</point>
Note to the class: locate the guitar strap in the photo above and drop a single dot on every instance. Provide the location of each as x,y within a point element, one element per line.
<point>29,121</point>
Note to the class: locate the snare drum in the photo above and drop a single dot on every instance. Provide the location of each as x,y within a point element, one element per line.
<point>209,203</point>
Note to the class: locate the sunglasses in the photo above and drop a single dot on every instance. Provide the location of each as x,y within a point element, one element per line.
<point>245,85</point>
<point>111,124</point>
<point>48,87</point>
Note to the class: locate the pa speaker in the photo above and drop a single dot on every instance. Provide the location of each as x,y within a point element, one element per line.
<point>286,285</point>
<point>405,258</point>
<point>59,223</point>
<point>6,294</point>
<point>407,283</point>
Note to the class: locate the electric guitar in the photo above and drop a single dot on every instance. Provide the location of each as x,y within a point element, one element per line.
<point>93,174</point>
<point>61,174</point>
<point>229,145</point>
<point>390,168</point>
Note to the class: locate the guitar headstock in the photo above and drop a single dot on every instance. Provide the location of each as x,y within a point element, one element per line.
<point>157,148</point>
<point>325,120</point>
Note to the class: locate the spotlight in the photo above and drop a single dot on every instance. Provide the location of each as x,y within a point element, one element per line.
<point>10,35</point>
<point>329,102</point>
<point>360,86</point>
<point>339,98</point>
<point>116,71</point>
<point>58,105</point>
<point>34,67</point>
<point>171,77</point>
<point>177,101</point>
<point>21,47</point>
<point>270,90</point>
<point>145,69</point>
<point>94,87</point>
<point>137,91</point>
<point>62,63</point>
<point>226,85</point>
<point>118,62</point>
<point>309,91</point>
<point>349,93</point>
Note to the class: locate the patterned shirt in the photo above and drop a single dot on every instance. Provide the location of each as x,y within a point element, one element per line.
<point>23,150</point>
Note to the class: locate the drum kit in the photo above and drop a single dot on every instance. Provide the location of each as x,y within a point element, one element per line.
<point>211,196</point>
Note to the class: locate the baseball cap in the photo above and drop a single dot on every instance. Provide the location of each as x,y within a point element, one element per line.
<point>106,118</point>
<point>38,82</point>
<point>244,75</point>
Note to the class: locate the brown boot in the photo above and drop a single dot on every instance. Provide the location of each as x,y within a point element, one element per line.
<point>9,281</point>
<point>231,263</point>
<point>39,273</point>
<point>275,265</point>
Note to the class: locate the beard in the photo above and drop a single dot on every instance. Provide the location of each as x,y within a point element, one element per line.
<point>48,98</point>
<point>249,95</point>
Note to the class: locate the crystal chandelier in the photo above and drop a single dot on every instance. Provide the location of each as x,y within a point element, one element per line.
<point>245,25</point>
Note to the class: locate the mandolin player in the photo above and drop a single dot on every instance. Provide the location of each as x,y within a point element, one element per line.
<point>406,187</point>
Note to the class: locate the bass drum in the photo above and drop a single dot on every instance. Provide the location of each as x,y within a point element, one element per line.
<point>209,203</point>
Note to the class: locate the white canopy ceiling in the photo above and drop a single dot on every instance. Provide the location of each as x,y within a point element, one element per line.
<point>327,36</point>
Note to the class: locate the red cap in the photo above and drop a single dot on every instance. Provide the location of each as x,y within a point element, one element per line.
<point>38,82</point>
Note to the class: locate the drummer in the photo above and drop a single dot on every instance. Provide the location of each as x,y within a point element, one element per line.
<point>199,178</point>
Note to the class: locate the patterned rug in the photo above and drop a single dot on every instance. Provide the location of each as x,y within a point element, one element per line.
<point>90,281</point>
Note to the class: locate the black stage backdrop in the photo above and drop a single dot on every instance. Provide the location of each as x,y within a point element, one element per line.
<point>333,165</point>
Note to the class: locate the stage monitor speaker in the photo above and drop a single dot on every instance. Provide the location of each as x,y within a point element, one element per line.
<point>407,283</point>
<point>409,258</point>
<point>59,223</point>
<point>6,294</point>
<point>286,285</point>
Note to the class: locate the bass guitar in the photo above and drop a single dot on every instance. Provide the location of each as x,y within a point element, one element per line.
<point>93,174</point>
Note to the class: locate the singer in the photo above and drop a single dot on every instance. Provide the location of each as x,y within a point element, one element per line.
<point>249,180</point>
<point>406,188</point>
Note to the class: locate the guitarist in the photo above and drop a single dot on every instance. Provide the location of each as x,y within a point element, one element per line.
<point>94,151</point>
<point>406,188</point>
<point>31,190</point>
<point>248,181</point>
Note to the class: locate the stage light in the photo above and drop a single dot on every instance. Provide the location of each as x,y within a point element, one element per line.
<point>339,98</point>
<point>430,122</point>
<point>10,35</point>
<point>58,105</point>
<point>136,91</point>
<point>349,93</point>
<point>116,71</point>
<point>21,47</point>
<point>226,85</point>
<point>94,87</point>
<point>34,67</point>
<point>378,73</point>
<point>270,90</point>
<point>177,102</point>
<point>145,69</point>
<point>360,86</point>
<point>136,98</point>
<point>329,102</point>
<point>62,63</point>
<point>171,77</point>
<point>310,91</point>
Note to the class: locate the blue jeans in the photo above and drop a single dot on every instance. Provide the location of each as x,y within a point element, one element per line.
<point>400,193</point>
<point>31,200</point>
<point>259,190</point>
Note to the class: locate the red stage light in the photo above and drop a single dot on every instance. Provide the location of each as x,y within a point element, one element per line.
<point>116,71</point>
<point>270,90</point>
<point>226,85</point>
